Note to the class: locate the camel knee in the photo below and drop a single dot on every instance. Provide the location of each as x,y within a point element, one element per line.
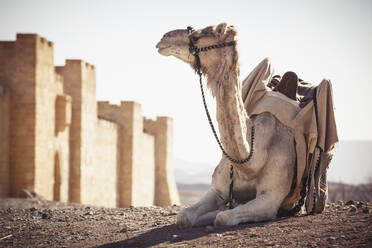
<point>184,219</point>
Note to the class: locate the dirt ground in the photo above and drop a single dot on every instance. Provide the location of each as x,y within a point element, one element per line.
<point>37,223</point>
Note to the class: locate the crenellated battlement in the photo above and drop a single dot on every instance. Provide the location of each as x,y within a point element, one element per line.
<point>79,62</point>
<point>107,104</point>
<point>34,37</point>
<point>73,147</point>
<point>90,66</point>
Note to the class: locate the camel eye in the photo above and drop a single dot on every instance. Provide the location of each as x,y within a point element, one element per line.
<point>194,38</point>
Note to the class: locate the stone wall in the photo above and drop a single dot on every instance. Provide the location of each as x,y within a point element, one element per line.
<point>137,163</point>
<point>101,176</point>
<point>4,140</point>
<point>143,173</point>
<point>6,72</point>
<point>165,185</point>
<point>137,170</point>
<point>52,145</point>
<point>17,72</point>
<point>72,76</point>
<point>52,141</point>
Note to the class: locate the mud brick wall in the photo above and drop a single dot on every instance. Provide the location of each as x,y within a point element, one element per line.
<point>102,174</point>
<point>4,141</point>
<point>165,185</point>
<point>51,145</point>
<point>53,141</point>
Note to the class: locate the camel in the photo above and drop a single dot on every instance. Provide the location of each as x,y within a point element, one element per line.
<point>261,184</point>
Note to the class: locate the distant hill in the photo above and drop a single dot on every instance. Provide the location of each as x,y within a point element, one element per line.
<point>196,186</point>
<point>351,164</point>
<point>193,173</point>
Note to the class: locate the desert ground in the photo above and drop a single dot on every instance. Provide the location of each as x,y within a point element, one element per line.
<point>41,223</point>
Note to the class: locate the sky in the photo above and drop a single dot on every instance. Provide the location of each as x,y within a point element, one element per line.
<point>316,39</point>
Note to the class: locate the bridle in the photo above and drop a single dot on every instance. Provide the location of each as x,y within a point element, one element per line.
<point>194,50</point>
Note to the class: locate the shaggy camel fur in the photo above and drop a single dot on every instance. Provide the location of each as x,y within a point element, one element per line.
<point>261,184</point>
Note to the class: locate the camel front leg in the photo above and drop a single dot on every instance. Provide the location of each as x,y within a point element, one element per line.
<point>201,213</point>
<point>259,209</point>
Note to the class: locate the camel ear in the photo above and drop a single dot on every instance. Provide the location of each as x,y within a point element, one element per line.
<point>221,28</point>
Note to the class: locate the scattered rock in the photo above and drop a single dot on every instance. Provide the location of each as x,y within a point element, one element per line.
<point>340,202</point>
<point>30,226</point>
<point>124,229</point>
<point>359,204</point>
<point>331,238</point>
<point>352,208</point>
<point>351,202</point>
<point>45,216</point>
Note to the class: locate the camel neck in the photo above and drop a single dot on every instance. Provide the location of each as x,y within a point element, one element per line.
<point>233,120</point>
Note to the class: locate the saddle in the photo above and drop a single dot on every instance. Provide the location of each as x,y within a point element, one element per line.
<point>293,87</point>
<point>310,116</point>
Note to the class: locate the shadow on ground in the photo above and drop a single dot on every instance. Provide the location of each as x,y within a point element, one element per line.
<point>171,234</point>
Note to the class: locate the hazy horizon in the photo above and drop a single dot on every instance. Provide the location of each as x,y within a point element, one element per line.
<point>317,39</point>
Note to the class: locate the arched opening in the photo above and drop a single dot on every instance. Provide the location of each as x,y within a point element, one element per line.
<point>57,179</point>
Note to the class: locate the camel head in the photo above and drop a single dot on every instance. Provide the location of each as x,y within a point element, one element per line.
<point>177,43</point>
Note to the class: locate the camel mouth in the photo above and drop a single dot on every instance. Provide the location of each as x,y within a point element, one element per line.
<point>163,50</point>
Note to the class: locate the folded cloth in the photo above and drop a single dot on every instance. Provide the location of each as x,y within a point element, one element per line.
<point>308,133</point>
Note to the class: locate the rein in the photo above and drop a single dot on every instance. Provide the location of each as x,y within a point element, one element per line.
<point>194,50</point>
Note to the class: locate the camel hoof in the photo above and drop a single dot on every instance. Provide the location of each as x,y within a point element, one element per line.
<point>222,219</point>
<point>183,221</point>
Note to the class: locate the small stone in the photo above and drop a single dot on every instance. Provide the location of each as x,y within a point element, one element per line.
<point>339,202</point>
<point>89,213</point>
<point>32,209</point>
<point>351,202</point>
<point>209,229</point>
<point>219,235</point>
<point>352,208</point>
<point>331,238</point>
